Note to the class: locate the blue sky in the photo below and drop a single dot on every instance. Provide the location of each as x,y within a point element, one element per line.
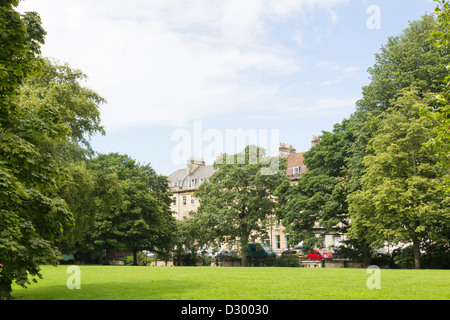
<point>294,66</point>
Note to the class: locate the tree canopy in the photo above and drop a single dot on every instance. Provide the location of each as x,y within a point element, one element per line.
<point>440,38</point>
<point>136,215</point>
<point>399,201</point>
<point>238,200</point>
<point>349,168</point>
<point>33,219</point>
<point>319,198</point>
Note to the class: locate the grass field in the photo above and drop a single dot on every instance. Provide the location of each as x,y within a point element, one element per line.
<point>234,283</point>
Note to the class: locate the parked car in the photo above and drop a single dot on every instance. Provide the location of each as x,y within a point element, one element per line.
<point>259,250</point>
<point>204,253</point>
<point>224,254</point>
<point>379,254</point>
<point>319,255</point>
<point>292,253</point>
<point>339,255</point>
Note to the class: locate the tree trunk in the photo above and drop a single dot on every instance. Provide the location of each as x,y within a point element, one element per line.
<point>416,250</point>
<point>244,244</point>
<point>5,287</point>
<point>135,262</point>
<point>366,254</point>
<point>109,256</point>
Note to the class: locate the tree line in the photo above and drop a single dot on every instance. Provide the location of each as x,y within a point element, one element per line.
<point>57,194</point>
<point>381,176</point>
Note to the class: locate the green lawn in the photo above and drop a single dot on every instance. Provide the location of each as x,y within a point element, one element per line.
<point>235,283</point>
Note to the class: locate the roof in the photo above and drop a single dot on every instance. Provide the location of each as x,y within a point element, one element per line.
<point>192,181</point>
<point>293,161</point>
<point>179,180</point>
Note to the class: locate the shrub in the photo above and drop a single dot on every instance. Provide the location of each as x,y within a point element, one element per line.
<point>142,260</point>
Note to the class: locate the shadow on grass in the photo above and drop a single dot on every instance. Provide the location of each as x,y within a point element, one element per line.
<point>145,290</point>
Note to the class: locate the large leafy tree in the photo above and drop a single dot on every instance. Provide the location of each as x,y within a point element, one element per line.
<point>138,217</point>
<point>32,217</point>
<point>441,40</point>
<point>239,199</point>
<point>399,202</point>
<point>61,85</point>
<point>405,60</point>
<point>319,197</point>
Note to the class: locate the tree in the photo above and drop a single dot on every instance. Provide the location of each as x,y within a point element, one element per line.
<point>187,235</point>
<point>440,38</point>
<point>60,86</point>
<point>138,217</point>
<point>399,201</point>
<point>405,60</point>
<point>32,218</point>
<point>238,199</point>
<point>319,197</point>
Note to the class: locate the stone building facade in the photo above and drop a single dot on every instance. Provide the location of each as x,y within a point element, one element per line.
<point>183,184</point>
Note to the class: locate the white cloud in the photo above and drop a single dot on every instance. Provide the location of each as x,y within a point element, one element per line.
<point>168,62</point>
<point>320,107</point>
<point>342,72</point>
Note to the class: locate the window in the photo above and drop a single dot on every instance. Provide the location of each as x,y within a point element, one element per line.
<point>337,241</point>
<point>184,200</point>
<point>201,181</point>
<point>192,201</point>
<point>296,170</point>
<point>174,201</point>
<point>277,223</point>
<point>175,184</point>
<point>277,242</point>
<point>191,183</point>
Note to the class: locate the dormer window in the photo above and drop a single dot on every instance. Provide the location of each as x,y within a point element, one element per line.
<point>191,183</point>
<point>296,170</point>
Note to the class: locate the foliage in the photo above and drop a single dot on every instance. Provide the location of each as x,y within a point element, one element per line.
<point>142,259</point>
<point>440,38</point>
<point>406,60</point>
<point>33,218</point>
<point>319,198</point>
<point>336,165</point>
<point>185,239</point>
<point>404,258</point>
<point>238,199</point>
<point>399,202</point>
<point>135,213</point>
<point>60,86</point>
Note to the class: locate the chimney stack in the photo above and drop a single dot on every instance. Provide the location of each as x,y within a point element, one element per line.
<point>315,141</point>
<point>193,164</point>
<point>285,150</point>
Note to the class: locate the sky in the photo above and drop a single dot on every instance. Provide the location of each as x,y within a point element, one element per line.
<point>191,77</point>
